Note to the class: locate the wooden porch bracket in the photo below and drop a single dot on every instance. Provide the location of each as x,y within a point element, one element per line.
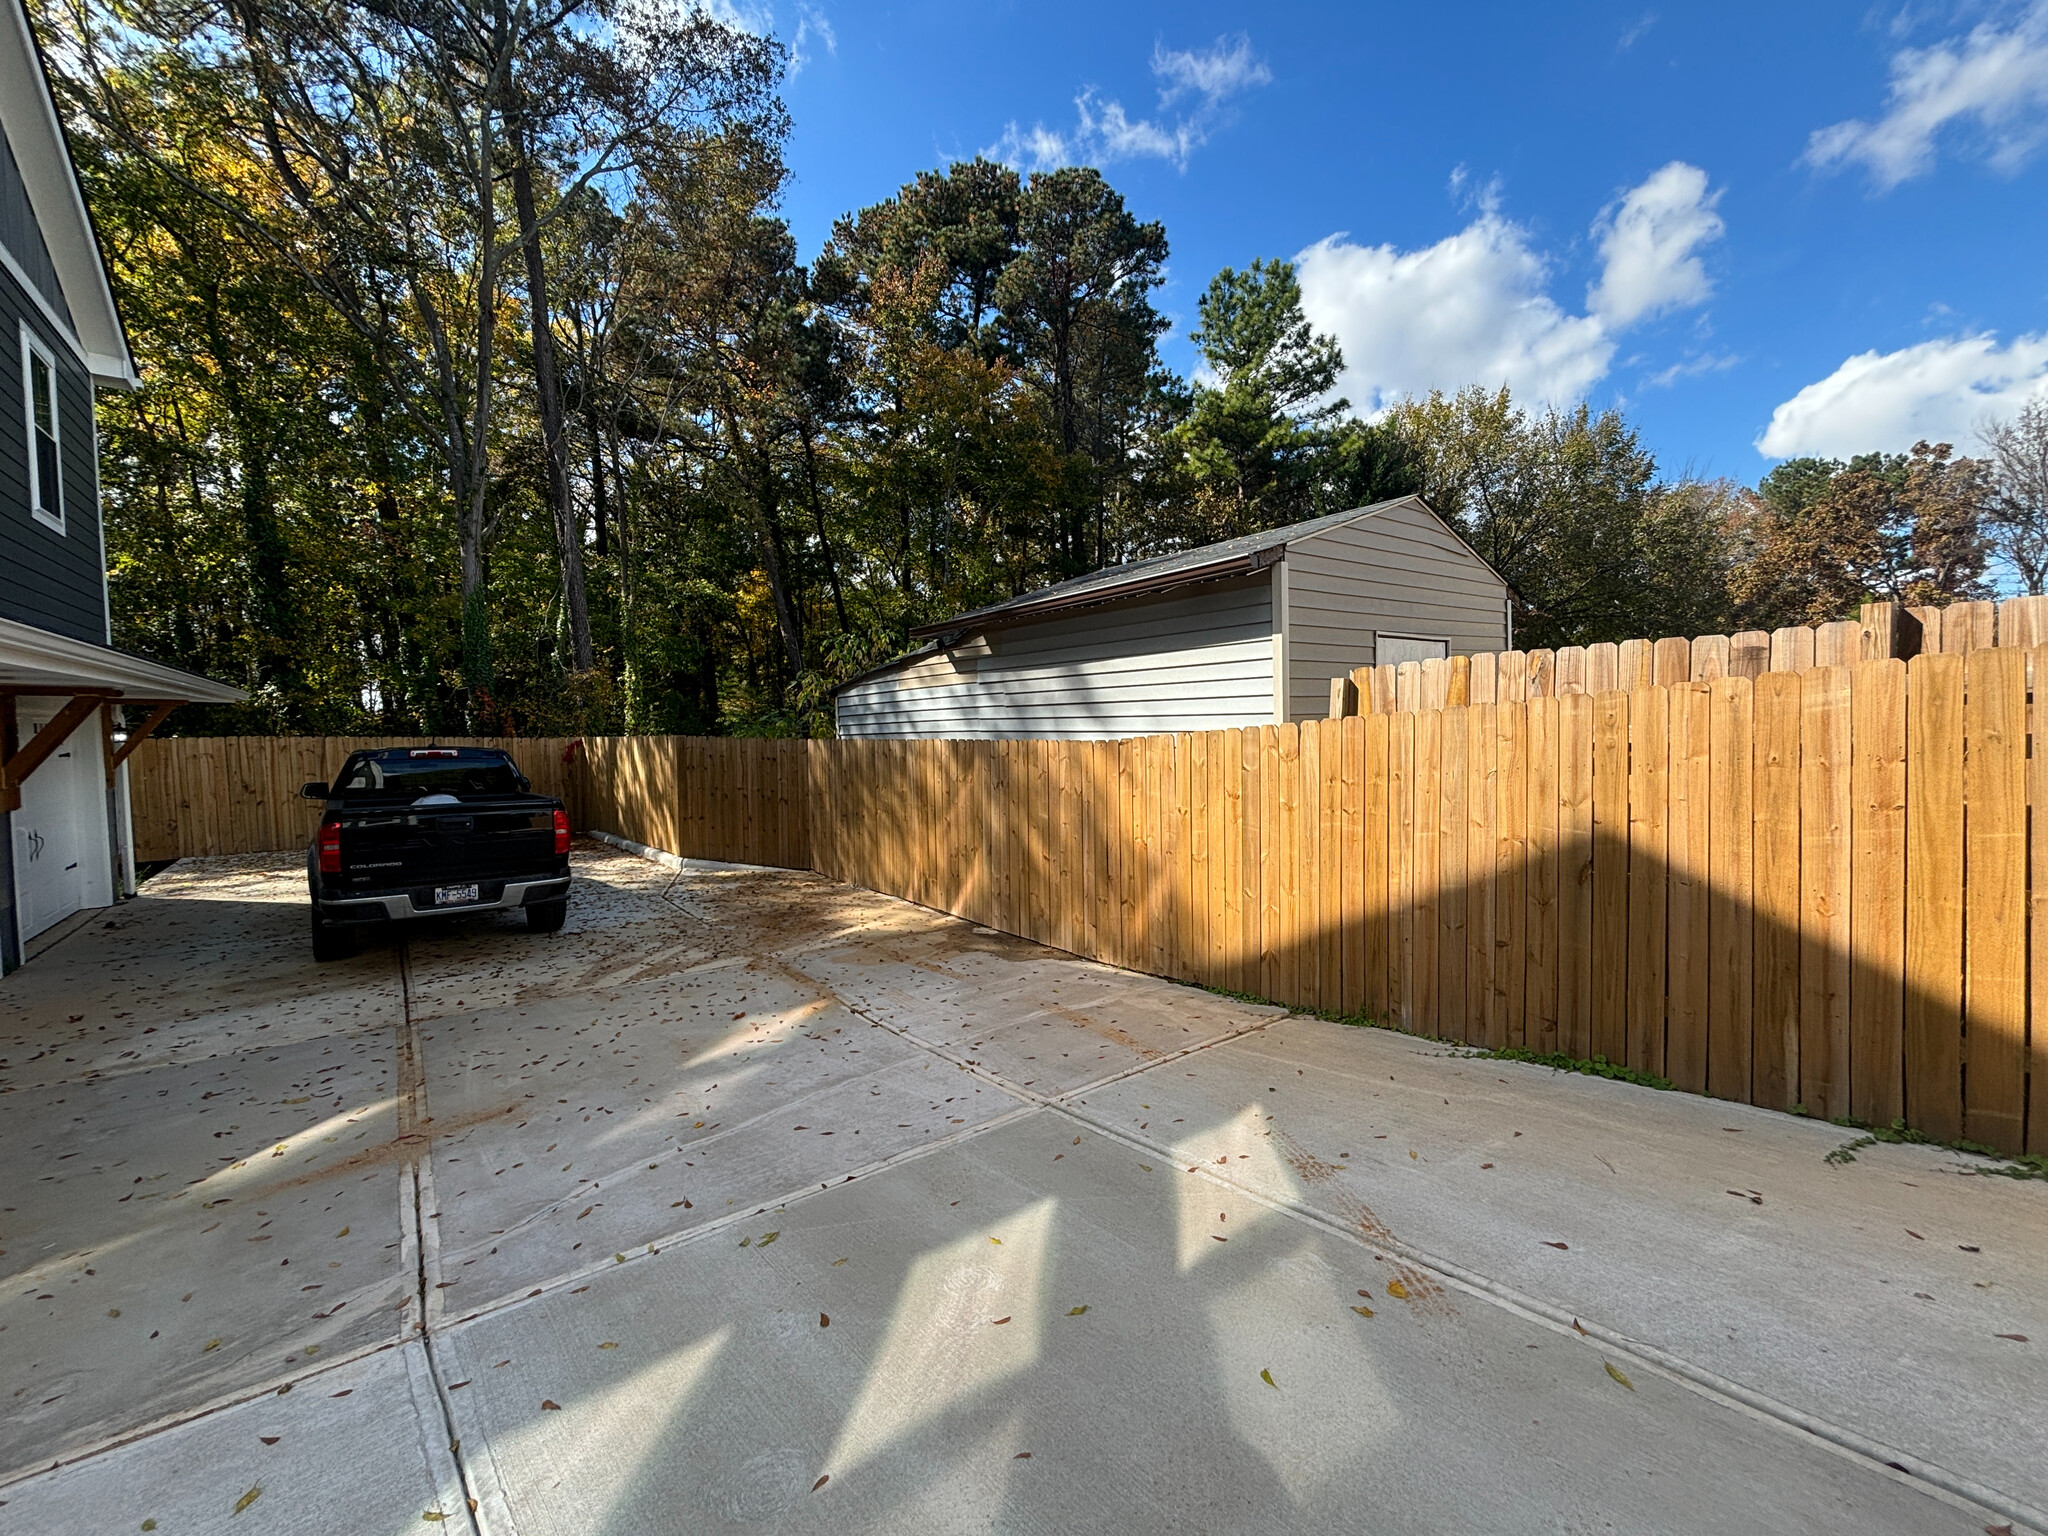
<point>21,764</point>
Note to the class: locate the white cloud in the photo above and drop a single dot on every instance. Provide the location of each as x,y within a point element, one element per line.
<point>1215,73</point>
<point>1104,132</point>
<point>1475,308</point>
<point>1995,78</point>
<point>1886,401</point>
<point>813,26</point>
<point>1651,244</point>
<point>1469,309</point>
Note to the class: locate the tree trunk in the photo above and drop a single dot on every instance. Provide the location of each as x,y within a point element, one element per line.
<point>600,509</point>
<point>568,536</point>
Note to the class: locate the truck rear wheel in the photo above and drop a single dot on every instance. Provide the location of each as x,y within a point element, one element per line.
<point>334,943</point>
<point>546,916</point>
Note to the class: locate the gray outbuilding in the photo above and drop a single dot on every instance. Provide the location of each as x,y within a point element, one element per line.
<point>1246,632</point>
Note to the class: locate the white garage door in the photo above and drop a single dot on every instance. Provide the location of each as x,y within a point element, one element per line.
<point>60,832</point>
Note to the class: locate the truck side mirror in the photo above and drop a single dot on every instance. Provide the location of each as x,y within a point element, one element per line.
<point>313,789</point>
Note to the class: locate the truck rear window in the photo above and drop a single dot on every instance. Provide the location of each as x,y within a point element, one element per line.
<point>410,778</point>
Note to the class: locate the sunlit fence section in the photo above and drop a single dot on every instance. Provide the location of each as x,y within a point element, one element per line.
<point>1805,889</point>
<point>1811,889</point>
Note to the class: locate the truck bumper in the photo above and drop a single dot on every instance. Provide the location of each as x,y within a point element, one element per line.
<point>400,905</point>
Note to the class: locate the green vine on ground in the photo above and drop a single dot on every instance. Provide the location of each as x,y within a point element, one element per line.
<point>2031,1165</point>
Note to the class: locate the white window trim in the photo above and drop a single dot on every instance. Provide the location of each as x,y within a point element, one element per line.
<point>31,348</point>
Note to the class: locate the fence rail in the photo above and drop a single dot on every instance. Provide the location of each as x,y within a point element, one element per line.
<point>1814,889</point>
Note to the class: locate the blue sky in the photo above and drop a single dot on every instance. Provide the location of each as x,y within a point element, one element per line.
<point>1794,228</point>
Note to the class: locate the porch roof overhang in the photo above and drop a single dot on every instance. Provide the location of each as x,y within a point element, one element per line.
<point>35,661</point>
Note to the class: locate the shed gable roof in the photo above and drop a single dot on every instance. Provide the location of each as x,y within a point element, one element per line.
<point>1243,555</point>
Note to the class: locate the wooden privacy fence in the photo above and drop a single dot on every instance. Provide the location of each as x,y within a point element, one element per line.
<point>1883,632</point>
<point>1803,889</point>
<point>743,800</point>
<point>193,795</point>
<point>1809,889</point>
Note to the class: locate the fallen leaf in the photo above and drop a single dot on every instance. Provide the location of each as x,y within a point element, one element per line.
<point>1076,1311</point>
<point>1363,1311</point>
<point>149,1524</point>
<point>999,1322</point>
<point>248,1498</point>
<point>1411,1153</point>
<point>1267,1378</point>
<point>113,1311</point>
<point>2017,1338</point>
<point>1618,1376</point>
<point>1219,1237</point>
<point>746,1242</point>
<point>342,1233</point>
<point>211,1344</point>
<point>1561,1247</point>
<point>997,1241</point>
<point>1366,1294</point>
<point>1397,1290</point>
<point>433,1514</point>
<point>1486,1165</point>
<point>824,1321</point>
<point>837,1262</point>
<point>1969,1248</point>
<point>1021,1456</point>
<point>269,1439</point>
<point>550,1405</point>
<point>1911,1233</point>
<point>1147,1167</point>
<point>609,1344</point>
<point>768,1239</point>
<point>821,1482</point>
<point>1579,1329</point>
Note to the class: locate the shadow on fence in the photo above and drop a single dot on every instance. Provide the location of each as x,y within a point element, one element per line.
<point>1814,889</point>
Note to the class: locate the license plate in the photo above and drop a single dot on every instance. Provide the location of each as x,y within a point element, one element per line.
<point>453,895</point>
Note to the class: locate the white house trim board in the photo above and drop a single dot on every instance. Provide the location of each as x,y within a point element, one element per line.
<point>58,323</point>
<point>29,116</point>
<point>36,658</point>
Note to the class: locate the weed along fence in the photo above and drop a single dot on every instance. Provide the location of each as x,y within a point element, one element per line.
<point>1812,888</point>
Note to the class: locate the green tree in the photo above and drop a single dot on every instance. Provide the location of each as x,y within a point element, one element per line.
<point>1257,448</point>
<point>1821,537</point>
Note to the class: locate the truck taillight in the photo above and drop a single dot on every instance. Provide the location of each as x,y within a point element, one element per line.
<point>330,847</point>
<point>561,831</point>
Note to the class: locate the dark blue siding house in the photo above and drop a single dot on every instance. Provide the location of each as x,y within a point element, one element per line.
<point>71,706</point>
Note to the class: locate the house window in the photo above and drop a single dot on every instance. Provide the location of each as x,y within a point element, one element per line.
<point>45,476</point>
<point>1399,648</point>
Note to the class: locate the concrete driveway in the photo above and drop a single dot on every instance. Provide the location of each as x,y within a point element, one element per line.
<point>750,1201</point>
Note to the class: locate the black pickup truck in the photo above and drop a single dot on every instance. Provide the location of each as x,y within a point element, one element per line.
<point>428,832</point>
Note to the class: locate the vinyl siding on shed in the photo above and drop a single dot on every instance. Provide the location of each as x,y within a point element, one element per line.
<point>51,580</point>
<point>1196,660</point>
<point>1400,570</point>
